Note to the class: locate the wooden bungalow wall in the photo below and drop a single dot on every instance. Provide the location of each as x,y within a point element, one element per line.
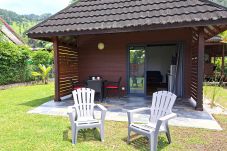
<point>66,64</point>
<point>112,61</point>
<point>84,60</point>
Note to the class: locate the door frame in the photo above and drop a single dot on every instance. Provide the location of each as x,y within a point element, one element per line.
<point>144,46</point>
<point>128,70</point>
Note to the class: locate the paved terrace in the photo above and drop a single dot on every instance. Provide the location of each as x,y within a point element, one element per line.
<point>117,108</point>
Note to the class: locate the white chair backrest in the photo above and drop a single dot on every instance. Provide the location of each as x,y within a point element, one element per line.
<point>84,103</point>
<point>162,104</point>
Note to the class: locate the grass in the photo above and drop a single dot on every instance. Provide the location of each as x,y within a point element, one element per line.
<point>20,131</point>
<point>221,96</point>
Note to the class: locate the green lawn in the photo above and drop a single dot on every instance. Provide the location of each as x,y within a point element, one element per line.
<point>221,94</point>
<point>20,131</point>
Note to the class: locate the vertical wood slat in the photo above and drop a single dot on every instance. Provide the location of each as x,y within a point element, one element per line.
<point>56,68</point>
<point>68,69</point>
<point>201,45</point>
<point>197,67</point>
<point>194,65</point>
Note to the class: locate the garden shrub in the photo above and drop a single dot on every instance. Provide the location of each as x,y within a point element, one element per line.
<point>13,63</point>
<point>18,62</point>
<point>42,57</point>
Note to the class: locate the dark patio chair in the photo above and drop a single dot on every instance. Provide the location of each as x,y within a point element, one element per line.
<point>96,85</point>
<point>111,85</point>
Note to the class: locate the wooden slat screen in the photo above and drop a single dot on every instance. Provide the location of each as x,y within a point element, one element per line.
<point>194,65</point>
<point>68,69</point>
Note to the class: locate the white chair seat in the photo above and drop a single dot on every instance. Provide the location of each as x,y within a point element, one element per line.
<point>90,121</point>
<point>149,127</point>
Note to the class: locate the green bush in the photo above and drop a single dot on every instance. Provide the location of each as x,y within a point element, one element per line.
<point>18,62</point>
<point>42,57</point>
<point>13,63</point>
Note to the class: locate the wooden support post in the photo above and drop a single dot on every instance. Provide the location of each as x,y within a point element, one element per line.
<point>223,61</point>
<point>56,68</point>
<point>201,45</point>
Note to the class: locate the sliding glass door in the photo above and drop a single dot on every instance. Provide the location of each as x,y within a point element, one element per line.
<point>136,70</point>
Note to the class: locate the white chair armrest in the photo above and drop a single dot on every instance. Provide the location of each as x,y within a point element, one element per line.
<point>139,110</point>
<point>101,107</point>
<point>72,114</point>
<point>103,111</point>
<point>164,119</point>
<point>70,109</point>
<point>131,112</point>
<point>168,117</point>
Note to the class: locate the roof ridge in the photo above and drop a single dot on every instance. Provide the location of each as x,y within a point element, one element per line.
<point>115,8</point>
<point>86,22</point>
<point>125,1</point>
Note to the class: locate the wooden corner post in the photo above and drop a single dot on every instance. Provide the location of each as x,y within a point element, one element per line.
<point>57,97</point>
<point>201,46</point>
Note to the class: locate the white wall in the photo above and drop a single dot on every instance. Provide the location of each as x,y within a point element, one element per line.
<point>158,58</point>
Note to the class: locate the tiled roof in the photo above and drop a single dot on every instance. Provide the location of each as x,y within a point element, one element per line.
<point>118,15</point>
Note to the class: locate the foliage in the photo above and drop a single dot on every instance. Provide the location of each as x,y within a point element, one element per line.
<point>220,97</point>
<point>137,56</point>
<point>18,62</point>
<point>42,57</point>
<point>13,63</point>
<point>44,73</point>
<point>21,23</point>
<point>218,63</point>
<point>10,17</point>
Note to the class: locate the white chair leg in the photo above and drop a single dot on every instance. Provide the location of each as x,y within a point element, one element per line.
<point>168,134</point>
<point>153,142</point>
<point>74,135</point>
<point>129,134</point>
<point>102,132</point>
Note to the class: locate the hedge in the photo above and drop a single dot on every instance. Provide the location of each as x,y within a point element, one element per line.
<point>17,62</point>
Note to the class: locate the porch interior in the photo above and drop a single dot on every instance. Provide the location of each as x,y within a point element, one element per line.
<point>117,111</point>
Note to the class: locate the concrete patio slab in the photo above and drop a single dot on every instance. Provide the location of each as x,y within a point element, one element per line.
<point>117,108</point>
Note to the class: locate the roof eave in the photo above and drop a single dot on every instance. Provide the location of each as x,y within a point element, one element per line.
<point>130,29</point>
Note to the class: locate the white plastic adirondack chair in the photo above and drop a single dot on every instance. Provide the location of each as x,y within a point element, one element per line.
<point>160,113</point>
<point>81,115</point>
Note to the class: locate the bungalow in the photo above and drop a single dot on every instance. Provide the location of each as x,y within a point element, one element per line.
<point>152,43</point>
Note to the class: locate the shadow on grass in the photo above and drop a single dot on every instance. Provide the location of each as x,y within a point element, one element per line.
<point>83,135</point>
<point>37,102</point>
<point>142,143</point>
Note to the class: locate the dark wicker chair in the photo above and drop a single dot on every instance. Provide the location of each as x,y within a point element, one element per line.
<point>111,85</point>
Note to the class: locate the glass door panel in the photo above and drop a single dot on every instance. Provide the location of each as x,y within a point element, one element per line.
<point>136,75</point>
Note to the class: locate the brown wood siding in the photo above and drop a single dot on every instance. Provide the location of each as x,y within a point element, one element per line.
<point>68,69</point>
<point>194,66</point>
<point>112,61</point>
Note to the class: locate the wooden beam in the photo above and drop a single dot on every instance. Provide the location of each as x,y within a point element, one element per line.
<point>56,68</point>
<point>223,60</point>
<point>201,45</point>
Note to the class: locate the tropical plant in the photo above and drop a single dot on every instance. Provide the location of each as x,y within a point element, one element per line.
<point>44,73</point>
<point>214,96</point>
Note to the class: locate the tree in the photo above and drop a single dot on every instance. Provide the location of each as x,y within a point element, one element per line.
<point>44,73</point>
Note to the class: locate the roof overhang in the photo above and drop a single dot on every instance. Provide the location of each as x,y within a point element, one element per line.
<point>219,25</point>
